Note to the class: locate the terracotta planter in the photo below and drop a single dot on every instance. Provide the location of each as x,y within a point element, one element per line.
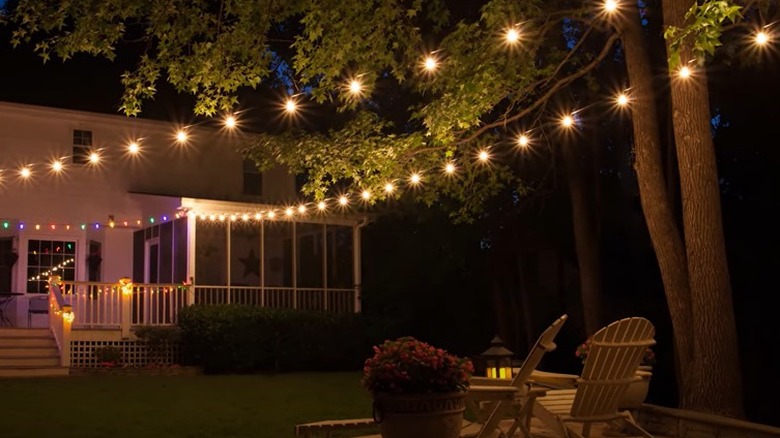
<point>419,416</point>
<point>636,393</point>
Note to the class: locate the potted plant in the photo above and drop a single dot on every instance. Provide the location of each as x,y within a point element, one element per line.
<point>418,389</point>
<point>636,393</point>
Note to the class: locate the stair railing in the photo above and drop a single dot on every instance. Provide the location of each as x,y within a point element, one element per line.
<point>60,319</point>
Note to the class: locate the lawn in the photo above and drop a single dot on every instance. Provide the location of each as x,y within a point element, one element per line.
<point>254,406</point>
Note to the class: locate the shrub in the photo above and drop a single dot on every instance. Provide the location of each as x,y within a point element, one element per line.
<point>108,355</point>
<point>161,342</point>
<point>235,338</point>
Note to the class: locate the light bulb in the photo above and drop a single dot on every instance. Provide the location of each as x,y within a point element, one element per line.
<point>230,122</point>
<point>762,38</point>
<point>290,106</point>
<point>483,156</point>
<point>56,166</point>
<point>567,121</point>
<point>523,140</point>
<point>389,188</point>
<point>430,64</point>
<point>512,36</point>
<point>343,200</point>
<point>449,168</point>
<point>181,136</point>
<point>355,87</point>
<point>415,178</point>
<point>94,158</point>
<point>622,99</point>
<point>685,72</point>
<point>610,5</point>
<point>133,148</point>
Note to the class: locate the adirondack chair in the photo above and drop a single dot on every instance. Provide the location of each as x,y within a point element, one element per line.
<point>499,399</point>
<point>609,368</point>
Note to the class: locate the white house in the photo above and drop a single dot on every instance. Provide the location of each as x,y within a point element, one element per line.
<point>95,198</point>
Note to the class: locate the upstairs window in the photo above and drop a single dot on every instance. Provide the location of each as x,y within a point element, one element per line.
<point>82,146</point>
<point>253,179</point>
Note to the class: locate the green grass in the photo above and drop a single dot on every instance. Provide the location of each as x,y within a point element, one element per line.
<point>254,406</point>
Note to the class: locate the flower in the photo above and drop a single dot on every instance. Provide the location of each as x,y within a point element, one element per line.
<point>583,349</point>
<point>409,366</point>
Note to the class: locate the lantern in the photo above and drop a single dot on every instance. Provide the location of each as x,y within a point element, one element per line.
<point>498,360</point>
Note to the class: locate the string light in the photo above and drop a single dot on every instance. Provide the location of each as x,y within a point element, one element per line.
<point>56,166</point>
<point>343,200</point>
<point>288,211</point>
<point>355,87</point>
<point>133,148</point>
<point>622,99</point>
<point>449,168</point>
<point>271,214</point>
<point>25,172</point>
<point>684,72</point>
<point>761,38</point>
<point>523,141</point>
<point>567,121</point>
<point>290,106</point>
<point>301,209</point>
<point>321,205</point>
<point>389,188</point>
<point>415,178</point>
<point>430,64</point>
<point>94,157</point>
<point>610,6</point>
<point>512,35</point>
<point>230,121</point>
<point>181,136</point>
<point>366,195</point>
<point>483,156</point>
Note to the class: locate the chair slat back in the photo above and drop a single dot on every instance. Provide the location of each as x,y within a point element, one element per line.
<point>614,356</point>
<point>544,344</point>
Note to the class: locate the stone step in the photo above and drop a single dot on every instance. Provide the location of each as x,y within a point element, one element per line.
<point>30,361</point>
<point>29,351</point>
<point>33,371</point>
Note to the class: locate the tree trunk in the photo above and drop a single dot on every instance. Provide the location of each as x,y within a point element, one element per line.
<point>659,214</point>
<point>586,240</point>
<point>718,384</point>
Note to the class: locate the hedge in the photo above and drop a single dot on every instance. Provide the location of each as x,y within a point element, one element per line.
<point>241,339</point>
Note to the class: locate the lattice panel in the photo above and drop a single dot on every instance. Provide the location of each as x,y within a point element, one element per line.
<point>134,354</point>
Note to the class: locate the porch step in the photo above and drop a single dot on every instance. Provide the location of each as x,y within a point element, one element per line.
<point>30,361</point>
<point>33,372</point>
<point>29,353</point>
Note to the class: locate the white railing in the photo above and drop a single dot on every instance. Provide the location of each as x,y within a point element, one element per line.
<point>125,304</point>
<point>330,300</point>
<point>60,319</point>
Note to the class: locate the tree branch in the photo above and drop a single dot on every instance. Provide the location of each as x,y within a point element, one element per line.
<point>554,89</point>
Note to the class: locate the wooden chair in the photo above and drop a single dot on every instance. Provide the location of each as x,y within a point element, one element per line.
<point>497,399</point>
<point>609,368</point>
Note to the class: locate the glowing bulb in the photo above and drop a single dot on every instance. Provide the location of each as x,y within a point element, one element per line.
<point>230,122</point>
<point>181,136</point>
<point>245,217</point>
<point>133,148</point>
<point>271,215</point>
<point>415,178</point>
<point>56,166</point>
<point>512,36</point>
<point>366,195</point>
<point>343,200</point>
<point>222,218</point>
<point>355,87</point>
<point>290,106</point>
<point>483,156</point>
<point>258,216</point>
<point>449,168</point>
<point>430,64</point>
<point>762,38</point>
<point>610,5</point>
<point>622,99</point>
<point>94,158</point>
<point>321,205</point>
<point>232,217</point>
<point>567,121</point>
<point>25,172</point>
<point>288,211</point>
<point>685,72</point>
<point>389,188</point>
<point>523,140</point>
<point>301,209</point>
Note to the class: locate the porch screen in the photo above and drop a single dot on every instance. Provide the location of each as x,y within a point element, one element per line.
<point>278,261</point>
<point>49,257</point>
<point>310,251</point>
<point>211,253</point>
<point>340,260</point>
<point>245,254</point>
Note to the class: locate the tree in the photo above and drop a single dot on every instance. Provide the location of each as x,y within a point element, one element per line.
<point>480,82</point>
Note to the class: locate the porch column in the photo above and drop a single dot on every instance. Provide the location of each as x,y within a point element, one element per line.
<point>192,222</point>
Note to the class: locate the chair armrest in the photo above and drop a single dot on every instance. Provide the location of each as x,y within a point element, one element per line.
<point>490,393</point>
<point>554,380</point>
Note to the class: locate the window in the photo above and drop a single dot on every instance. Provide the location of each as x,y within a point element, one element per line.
<point>82,146</point>
<point>253,179</point>
<point>49,257</point>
